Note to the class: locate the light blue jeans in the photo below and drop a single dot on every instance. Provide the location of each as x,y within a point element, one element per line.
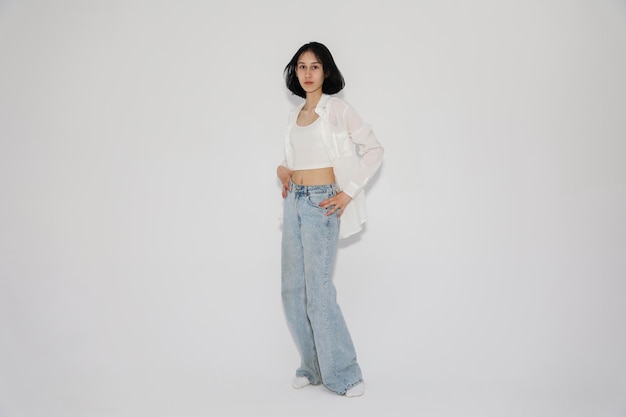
<point>309,248</point>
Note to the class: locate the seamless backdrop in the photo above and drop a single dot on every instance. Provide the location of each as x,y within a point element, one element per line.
<point>139,210</point>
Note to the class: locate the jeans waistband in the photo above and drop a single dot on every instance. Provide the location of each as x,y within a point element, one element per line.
<point>313,189</point>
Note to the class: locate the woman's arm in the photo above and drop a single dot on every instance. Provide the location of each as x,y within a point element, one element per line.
<point>369,149</point>
<point>284,175</point>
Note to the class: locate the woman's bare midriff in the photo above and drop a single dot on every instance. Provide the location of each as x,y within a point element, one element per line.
<point>320,176</point>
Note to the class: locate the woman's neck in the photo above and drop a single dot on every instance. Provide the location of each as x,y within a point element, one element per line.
<point>311,101</point>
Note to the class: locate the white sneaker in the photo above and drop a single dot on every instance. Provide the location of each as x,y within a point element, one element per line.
<point>356,391</point>
<point>300,382</point>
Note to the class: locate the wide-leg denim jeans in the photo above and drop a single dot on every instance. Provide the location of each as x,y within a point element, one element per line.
<point>309,247</point>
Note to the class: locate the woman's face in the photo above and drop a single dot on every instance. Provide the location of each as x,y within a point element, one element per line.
<point>310,72</point>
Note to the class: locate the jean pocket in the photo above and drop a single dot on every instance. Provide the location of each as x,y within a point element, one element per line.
<point>314,200</point>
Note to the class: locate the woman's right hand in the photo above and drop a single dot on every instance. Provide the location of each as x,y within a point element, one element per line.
<point>284,175</point>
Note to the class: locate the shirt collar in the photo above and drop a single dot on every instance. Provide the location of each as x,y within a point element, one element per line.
<point>320,109</point>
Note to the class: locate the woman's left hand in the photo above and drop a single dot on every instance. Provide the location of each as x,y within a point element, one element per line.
<point>336,204</point>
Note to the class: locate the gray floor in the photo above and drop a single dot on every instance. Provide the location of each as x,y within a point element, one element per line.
<point>191,395</point>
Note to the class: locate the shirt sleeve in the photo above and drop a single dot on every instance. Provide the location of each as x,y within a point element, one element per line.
<point>368,147</point>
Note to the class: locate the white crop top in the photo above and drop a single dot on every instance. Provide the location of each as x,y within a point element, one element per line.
<point>308,148</point>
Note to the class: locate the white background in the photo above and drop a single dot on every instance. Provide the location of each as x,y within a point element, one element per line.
<point>139,233</point>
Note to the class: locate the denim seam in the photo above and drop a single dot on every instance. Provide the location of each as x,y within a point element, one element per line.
<point>354,384</point>
<point>327,277</point>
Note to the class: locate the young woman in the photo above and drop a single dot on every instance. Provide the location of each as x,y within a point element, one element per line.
<point>330,155</point>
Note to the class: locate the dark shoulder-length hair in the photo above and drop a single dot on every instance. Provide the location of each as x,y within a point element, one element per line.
<point>333,82</point>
